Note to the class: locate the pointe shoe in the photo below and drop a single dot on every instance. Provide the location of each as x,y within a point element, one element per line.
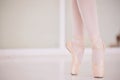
<point>98,61</point>
<point>75,60</point>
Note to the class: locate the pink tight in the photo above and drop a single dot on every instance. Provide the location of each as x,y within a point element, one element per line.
<point>85,15</point>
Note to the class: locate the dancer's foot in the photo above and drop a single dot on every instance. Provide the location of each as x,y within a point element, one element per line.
<point>77,53</point>
<point>98,59</point>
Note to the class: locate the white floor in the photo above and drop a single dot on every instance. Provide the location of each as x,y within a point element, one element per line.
<point>55,67</point>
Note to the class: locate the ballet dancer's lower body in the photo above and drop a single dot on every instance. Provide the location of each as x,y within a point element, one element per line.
<point>85,14</point>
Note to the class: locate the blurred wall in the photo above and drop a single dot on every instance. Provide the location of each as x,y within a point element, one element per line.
<point>29,23</point>
<point>35,23</point>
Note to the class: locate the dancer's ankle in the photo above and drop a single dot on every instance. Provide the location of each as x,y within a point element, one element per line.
<point>78,42</point>
<point>98,44</point>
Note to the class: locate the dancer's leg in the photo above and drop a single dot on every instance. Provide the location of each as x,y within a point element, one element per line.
<point>77,23</point>
<point>89,13</point>
<point>77,40</point>
<point>90,18</point>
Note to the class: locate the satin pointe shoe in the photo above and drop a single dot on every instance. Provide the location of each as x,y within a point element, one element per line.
<point>75,58</point>
<point>98,59</point>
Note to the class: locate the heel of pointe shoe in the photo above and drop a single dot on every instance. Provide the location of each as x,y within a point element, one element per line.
<point>99,73</point>
<point>69,48</point>
<point>98,62</point>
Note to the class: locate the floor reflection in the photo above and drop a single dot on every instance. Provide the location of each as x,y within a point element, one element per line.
<point>86,78</point>
<point>55,67</point>
<point>98,79</point>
